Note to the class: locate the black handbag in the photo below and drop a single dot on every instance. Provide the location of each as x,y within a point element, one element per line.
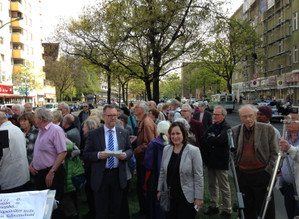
<point>165,201</point>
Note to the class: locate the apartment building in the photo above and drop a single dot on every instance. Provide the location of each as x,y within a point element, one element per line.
<point>21,54</point>
<point>275,75</point>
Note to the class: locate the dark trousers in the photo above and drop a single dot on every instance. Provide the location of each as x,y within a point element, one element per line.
<point>124,211</point>
<point>141,194</point>
<point>254,188</point>
<point>290,203</point>
<point>181,209</point>
<point>88,191</point>
<point>21,188</point>
<point>108,198</point>
<point>58,185</point>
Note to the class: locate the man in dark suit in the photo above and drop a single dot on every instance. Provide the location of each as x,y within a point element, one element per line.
<point>204,116</point>
<point>108,173</point>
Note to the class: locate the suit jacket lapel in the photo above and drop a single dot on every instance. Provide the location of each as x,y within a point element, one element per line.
<point>101,136</point>
<point>183,157</point>
<point>119,139</point>
<point>257,135</point>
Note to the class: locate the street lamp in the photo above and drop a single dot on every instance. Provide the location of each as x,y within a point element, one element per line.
<point>19,18</point>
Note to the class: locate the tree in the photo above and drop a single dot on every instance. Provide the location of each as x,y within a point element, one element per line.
<point>160,33</point>
<point>26,80</point>
<point>147,37</point>
<point>62,73</point>
<point>171,86</point>
<point>233,41</point>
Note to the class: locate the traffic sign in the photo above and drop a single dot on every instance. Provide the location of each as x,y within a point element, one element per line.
<point>255,75</point>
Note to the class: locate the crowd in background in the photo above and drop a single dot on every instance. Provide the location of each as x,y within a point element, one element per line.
<point>164,145</point>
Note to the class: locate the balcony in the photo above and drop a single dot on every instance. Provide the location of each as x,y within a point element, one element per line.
<point>17,38</point>
<point>17,69</point>
<point>18,54</point>
<point>18,24</point>
<point>16,6</point>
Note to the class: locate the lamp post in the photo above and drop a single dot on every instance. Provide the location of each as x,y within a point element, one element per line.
<point>18,19</point>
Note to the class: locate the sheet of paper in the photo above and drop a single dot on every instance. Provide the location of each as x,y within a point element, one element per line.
<point>26,205</point>
<point>113,153</point>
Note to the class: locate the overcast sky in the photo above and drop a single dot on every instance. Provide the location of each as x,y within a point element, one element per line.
<point>53,10</point>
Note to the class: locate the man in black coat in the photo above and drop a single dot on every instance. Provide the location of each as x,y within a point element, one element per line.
<point>216,159</point>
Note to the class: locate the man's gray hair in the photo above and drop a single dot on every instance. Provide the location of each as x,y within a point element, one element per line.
<point>64,105</point>
<point>184,122</point>
<point>254,108</point>
<point>144,106</point>
<point>175,102</point>
<point>2,116</point>
<point>21,107</point>
<point>188,106</point>
<point>223,110</point>
<point>44,113</point>
<point>90,124</point>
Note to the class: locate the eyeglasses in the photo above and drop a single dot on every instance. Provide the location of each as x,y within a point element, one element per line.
<point>85,106</point>
<point>111,116</point>
<point>217,114</point>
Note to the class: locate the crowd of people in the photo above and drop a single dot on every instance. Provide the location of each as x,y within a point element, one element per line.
<point>166,146</point>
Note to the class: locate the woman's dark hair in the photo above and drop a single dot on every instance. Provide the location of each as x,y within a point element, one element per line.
<point>27,116</point>
<point>183,130</point>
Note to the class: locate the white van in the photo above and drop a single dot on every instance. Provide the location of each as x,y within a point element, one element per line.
<point>51,106</point>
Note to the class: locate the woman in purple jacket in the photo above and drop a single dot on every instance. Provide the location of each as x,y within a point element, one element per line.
<point>152,164</point>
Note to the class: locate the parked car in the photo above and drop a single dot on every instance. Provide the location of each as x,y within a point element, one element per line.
<point>51,106</point>
<point>73,107</point>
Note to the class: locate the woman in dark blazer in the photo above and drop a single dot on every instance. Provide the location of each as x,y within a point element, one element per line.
<point>182,174</point>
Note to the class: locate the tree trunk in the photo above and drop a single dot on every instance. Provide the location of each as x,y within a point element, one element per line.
<point>123,92</point>
<point>109,88</point>
<point>127,96</point>
<point>156,94</point>
<point>148,90</point>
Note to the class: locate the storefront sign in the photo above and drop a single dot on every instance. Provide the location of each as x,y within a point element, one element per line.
<point>50,96</point>
<point>292,78</point>
<point>272,81</point>
<point>6,89</point>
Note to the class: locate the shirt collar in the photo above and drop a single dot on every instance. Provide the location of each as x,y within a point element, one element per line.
<point>106,129</point>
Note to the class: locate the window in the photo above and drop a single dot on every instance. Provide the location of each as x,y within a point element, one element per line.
<point>289,61</point>
<point>295,54</point>
<point>279,17</point>
<point>280,47</point>
<point>295,21</point>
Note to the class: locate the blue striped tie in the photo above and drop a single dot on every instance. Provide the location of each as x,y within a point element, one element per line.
<point>110,148</point>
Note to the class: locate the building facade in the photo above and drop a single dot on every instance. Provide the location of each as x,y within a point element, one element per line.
<point>275,74</point>
<point>21,64</point>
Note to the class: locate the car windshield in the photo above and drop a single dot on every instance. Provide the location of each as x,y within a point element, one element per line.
<point>49,106</point>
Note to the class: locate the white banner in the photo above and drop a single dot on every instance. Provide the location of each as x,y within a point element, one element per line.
<point>25,205</point>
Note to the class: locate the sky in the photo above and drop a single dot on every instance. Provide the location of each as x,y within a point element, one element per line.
<point>54,10</point>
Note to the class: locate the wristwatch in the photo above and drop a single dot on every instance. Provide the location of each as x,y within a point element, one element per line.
<point>52,170</point>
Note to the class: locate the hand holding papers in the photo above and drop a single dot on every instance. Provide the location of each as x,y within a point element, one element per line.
<point>113,153</point>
